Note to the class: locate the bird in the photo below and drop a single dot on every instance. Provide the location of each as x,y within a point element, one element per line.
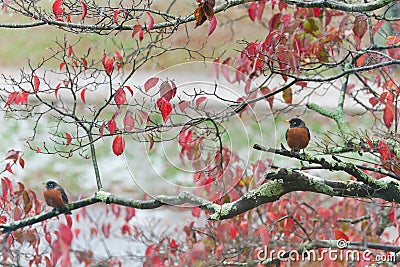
<point>55,196</point>
<point>297,135</point>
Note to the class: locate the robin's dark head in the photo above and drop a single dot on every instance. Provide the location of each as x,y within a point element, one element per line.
<point>296,122</point>
<point>51,185</point>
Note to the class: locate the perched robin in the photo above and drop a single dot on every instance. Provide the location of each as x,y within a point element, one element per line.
<point>298,135</point>
<point>55,196</point>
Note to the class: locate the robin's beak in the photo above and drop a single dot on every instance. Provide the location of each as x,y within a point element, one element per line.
<point>287,121</point>
<point>44,184</point>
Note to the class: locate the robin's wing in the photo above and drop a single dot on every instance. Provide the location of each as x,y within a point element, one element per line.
<point>308,132</point>
<point>63,195</point>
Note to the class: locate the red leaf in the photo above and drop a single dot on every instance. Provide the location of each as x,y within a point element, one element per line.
<point>129,121</point>
<point>125,229</point>
<point>62,64</point>
<point>212,25</point>
<point>109,65</point>
<point>360,26</point>
<point>101,130</point>
<point>111,126</point>
<point>233,231</point>
<point>167,91</point>
<point>120,97</point>
<point>173,244</point>
<point>393,52</point>
<point>384,150</point>
<point>369,142</point>
<point>200,100</point>
<point>130,213</point>
<point>377,26</point>
<point>129,89</point>
<point>84,62</point>
<point>118,145</point>
<point>183,105</point>
<point>106,229</point>
<point>84,10</point>
<point>115,16</point>
<point>339,235</point>
<point>69,220</point>
<point>165,107</point>
<point>37,149</point>
<point>11,98</point>
<point>388,115</point>
<point>151,23</point>
<point>21,162</point>
<point>317,12</point>
<point>253,10</point>
<point>116,210</point>
<point>70,51</point>
<point>196,212</point>
<point>392,215</point>
<point>66,233</point>
<point>36,83</point>
<point>83,93</point>
<point>374,101</point>
<point>141,35</point>
<point>27,202</point>
<point>69,138</point>
<point>137,28</point>
<point>57,9</point>
<point>150,83</point>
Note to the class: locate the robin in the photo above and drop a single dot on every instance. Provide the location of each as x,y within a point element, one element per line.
<point>55,196</point>
<point>298,135</point>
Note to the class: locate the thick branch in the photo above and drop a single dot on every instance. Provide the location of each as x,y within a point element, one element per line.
<point>351,7</point>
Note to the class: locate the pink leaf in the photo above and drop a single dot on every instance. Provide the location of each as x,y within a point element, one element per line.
<point>183,105</point>
<point>84,10</point>
<point>62,64</point>
<point>151,23</point>
<point>150,83</point>
<point>130,212</point>
<point>196,212</point>
<point>101,130</point>
<point>216,67</point>
<point>165,107</point>
<point>70,51</point>
<point>137,28</point>
<point>167,90</point>
<point>36,83</point>
<point>118,145</point>
<point>83,95</point>
<point>66,233</point>
<point>212,26</point>
<point>200,100</point>
<point>141,35</point>
<point>129,121</point>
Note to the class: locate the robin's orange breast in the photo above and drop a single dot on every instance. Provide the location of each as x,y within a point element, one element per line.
<point>53,198</point>
<point>297,138</point>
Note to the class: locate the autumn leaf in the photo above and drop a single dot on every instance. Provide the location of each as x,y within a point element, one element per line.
<point>84,10</point>
<point>212,26</point>
<point>183,105</point>
<point>83,95</point>
<point>109,65</point>
<point>167,90</point>
<point>118,145</point>
<point>111,126</point>
<point>137,28</point>
<point>199,15</point>
<point>57,9</point>
<point>120,97</point>
<point>165,107</point>
<point>36,83</point>
<point>129,121</point>
<point>150,83</point>
<point>388,115</point>
<point>340,235</point>
<point>200,100</point>
<point>69,138</point>
<point>287,95</point>
<point>151,23</point>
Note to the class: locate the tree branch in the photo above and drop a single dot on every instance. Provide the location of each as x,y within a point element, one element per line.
<point>351,7</point>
